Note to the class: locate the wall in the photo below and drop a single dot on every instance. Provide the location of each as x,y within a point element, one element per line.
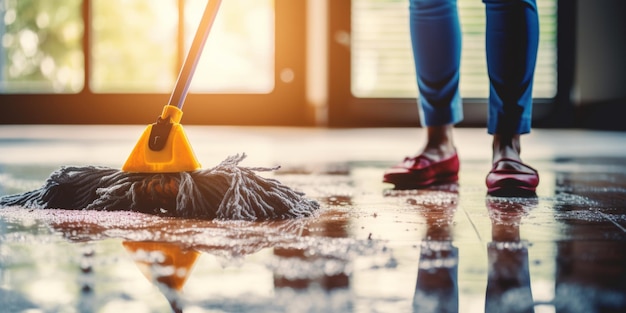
<point>601,52</point>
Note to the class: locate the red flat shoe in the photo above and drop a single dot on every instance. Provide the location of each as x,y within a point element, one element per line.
<point>512,181</point>
<point>421,172</point>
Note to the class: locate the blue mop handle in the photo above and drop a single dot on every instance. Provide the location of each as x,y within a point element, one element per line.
<point>189,66</point>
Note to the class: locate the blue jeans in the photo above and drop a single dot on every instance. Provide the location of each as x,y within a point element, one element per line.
<point>512,38</point>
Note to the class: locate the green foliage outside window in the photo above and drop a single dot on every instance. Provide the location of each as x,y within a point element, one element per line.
<point>41,47</point>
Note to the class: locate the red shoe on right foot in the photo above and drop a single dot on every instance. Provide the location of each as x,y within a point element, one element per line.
<point>421,172</point>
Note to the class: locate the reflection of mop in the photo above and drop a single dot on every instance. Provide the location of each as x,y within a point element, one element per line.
<point>162,176</point>
<point>165,264</point>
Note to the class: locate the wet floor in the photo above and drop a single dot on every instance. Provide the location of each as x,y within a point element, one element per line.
<point>368,249</point>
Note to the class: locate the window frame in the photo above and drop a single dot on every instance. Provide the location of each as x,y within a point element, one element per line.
<point>346,110</point>
<point>284,105</point>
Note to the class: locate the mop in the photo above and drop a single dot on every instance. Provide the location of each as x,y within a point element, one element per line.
<point>162,175</point>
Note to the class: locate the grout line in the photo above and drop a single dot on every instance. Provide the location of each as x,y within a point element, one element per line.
<point>473,225</point>
<point>608,217</point>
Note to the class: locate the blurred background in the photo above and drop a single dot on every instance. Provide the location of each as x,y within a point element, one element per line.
<point>320,63</point>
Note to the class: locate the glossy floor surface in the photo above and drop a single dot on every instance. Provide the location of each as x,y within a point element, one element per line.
<point>368,249</point>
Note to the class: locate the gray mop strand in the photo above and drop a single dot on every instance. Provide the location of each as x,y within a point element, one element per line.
<point>226,191</point>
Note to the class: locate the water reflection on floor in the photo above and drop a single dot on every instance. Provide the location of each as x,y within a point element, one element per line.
<point>370,249</point>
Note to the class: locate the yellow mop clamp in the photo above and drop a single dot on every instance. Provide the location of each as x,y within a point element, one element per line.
<point>163,147</point>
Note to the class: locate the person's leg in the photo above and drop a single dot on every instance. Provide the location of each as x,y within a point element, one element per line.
<point>436,41</point>
<point>512,39</point>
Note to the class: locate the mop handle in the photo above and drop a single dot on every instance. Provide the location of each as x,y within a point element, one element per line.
<point>189,66</point>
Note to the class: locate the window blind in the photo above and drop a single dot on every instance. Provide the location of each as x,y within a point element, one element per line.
<point>382,60</point>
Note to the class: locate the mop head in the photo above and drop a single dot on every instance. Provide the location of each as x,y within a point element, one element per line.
<point>226,191</point>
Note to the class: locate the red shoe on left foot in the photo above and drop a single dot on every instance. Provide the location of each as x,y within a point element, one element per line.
<point>518,180</point>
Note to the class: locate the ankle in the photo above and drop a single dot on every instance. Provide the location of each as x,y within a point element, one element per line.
<point>439,142</point>
<point>506,146</point>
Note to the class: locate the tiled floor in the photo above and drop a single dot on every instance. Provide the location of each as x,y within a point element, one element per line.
<point>369,249</point>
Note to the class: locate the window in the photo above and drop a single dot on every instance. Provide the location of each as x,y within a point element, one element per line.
<point>113,56</point>
<point>133,48</point>
<point>371,79</point>
<point>133,45</point>
<point>116,61</point>
<point>240,56</point>
<point>41,47</point>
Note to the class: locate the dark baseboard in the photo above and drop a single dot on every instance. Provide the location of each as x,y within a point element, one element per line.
<point>609,115</point>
